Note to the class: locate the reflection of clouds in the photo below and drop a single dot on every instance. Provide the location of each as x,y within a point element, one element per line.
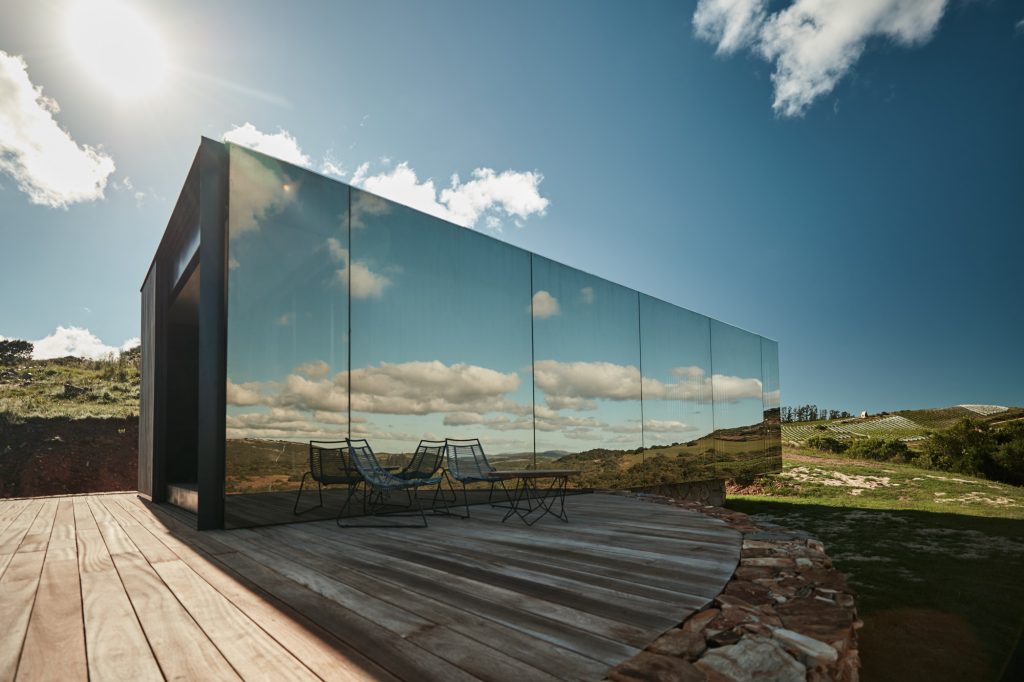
<point>667,426</point>
<point>563,402</point>
<point>545,305</point>
<point>365,283</point>
<point>366,205</point>
<point>419,387</point>
<point>424,387</point>
<point>551,420</point>
<point>314,370</point>
<point>587,380</point>
<point>300,392</point>
<point>258,188</point>
<point>285,320</point>
<point>587,295</point>
<point>245,394</point>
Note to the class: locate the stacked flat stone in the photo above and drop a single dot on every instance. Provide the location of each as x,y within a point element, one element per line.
<point>787,614</point>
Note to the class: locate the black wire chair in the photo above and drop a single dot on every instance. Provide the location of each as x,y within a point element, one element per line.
<point>329,464</point>
<point>467,463</point>
<point>427,461</point>
<point>381,483</point>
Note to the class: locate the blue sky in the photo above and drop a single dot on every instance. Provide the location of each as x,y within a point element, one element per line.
<point>864,207</point>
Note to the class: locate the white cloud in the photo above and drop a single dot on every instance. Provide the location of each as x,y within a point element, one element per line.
<point>513,193</point>
<point>245,394</point>
<point>587,295</point>
<point>488,195</point>
<point>575,385</point>
<point>286,319</point>
<point>78,342</point>
<point>1018,28</point>
<point>431,386</point>
<point>588,380</point>
<point>281,145</point>
<point>262,188</point>
<point>48,165</point>
<point>812,43</point>
<point>667,426</point>
<point>365,283</point>
<point>545,305</point>
<point>317,369</point>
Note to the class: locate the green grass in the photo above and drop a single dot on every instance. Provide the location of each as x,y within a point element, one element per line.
<point>935,558</point>
<point>36,388</point>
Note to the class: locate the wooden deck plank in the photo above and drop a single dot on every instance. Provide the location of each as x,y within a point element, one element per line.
<point>132,586</point>
<point>400,657</point>
<point>17,594</point>
<point>168,627</point>
<point>343,548</point>
<point>323,653</point>
<point>592,570</point>
<point>10,539</point>
<point>252,652</point>
<point>57,611</point>
<point>574,594</point>
<point>38,535</point>
<point>453,611</point>
<point>116,647</point>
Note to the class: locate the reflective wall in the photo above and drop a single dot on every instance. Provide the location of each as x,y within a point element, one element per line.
<point>440,334</point>
<point>738,397</point>
<point>586,348</point>
<point>678,417</point>
<point>287,326</point>
<point>352,315</point>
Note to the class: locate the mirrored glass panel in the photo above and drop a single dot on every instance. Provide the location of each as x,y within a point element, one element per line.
<point>587,373</point>
<point>287,354</point>
<point>675,355</point>
<point>440,335</point>
<point>738,400</point>
<point>770,398</point>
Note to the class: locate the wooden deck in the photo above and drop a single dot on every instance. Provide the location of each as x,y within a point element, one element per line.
<point>112,587</point>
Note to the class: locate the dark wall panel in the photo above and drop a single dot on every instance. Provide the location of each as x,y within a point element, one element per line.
<point>146,390</point>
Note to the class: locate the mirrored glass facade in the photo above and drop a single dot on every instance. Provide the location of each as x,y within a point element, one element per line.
<point>351,315</point>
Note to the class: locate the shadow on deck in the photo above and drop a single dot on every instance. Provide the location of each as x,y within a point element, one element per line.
<point>122,588</point>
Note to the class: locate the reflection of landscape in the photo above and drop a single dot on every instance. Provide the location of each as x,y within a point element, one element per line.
<point>449,332</point>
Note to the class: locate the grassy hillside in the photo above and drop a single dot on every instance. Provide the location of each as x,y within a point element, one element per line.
<point>935,558</point>
<point>71,387</point>
<point>906,425</point>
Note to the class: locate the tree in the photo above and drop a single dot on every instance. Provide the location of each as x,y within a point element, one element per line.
<point>15,351</point>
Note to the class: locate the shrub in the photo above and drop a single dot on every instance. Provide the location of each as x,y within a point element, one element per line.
<point>967,447</point>
<point>15,351</point>
<point>827,444</point>
<point>880,449</point>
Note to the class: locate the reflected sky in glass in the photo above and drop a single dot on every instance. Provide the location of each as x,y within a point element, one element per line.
<point>587,367</point>
<point>453,333</point>
<point>440,332</point>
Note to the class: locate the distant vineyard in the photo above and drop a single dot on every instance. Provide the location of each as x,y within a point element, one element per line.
<point>891,426</point>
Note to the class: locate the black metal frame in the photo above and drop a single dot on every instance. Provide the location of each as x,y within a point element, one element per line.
<point>343,474</point>
<point>543,502</point>
<point>480,465</point>
<point>379,484</point>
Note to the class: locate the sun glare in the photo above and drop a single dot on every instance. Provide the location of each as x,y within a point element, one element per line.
<point>118,46</point>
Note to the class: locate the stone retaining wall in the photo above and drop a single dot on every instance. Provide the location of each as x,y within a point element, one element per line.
<point>786,614</point>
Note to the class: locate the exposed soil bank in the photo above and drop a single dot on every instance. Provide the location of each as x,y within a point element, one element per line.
<point>57,455</point>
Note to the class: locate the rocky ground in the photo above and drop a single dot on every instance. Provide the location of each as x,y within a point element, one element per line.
<point>786,615</point>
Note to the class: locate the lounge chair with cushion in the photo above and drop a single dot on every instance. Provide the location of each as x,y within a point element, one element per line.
<point>380,483</point>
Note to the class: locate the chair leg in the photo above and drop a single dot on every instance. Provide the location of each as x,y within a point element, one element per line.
<point>295,509</point>
<point>351,491</point>
<point>380,504</point>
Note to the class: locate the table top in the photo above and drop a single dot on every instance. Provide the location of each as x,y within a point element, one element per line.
<point>534,473</point>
